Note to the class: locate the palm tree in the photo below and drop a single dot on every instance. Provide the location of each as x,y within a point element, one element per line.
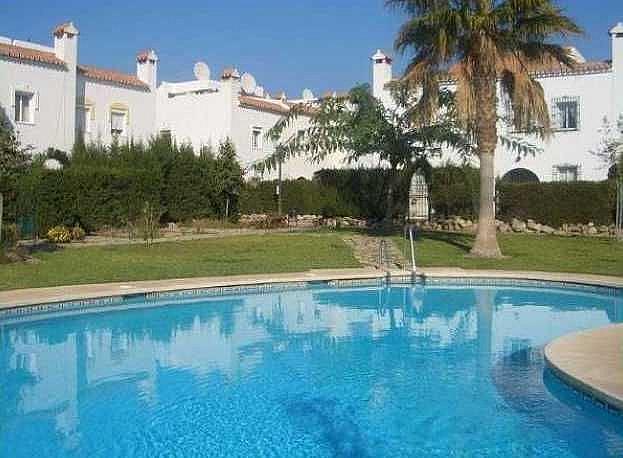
<point>478,44</point>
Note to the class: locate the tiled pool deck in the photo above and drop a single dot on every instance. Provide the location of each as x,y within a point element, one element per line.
<point>591,361</point>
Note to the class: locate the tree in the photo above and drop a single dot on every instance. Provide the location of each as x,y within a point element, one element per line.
<point>360,125</point>
<point>478,44</point>
<point>13,158</point>
<point>228,177</point>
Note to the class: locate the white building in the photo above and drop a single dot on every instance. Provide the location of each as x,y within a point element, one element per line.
<point>580,99</point>
<point>51,98</point>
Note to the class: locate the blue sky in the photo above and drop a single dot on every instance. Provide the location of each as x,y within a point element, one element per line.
<point>286,44</point>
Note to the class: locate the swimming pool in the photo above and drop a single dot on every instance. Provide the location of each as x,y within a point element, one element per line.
<point>329,369</point>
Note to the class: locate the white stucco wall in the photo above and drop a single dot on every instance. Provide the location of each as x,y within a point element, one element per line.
<point>198,118</point>
<point>54,87</point>
<point>141,106</point>
<point>569,147</point>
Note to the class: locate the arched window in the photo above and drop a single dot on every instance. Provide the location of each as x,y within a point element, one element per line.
<point>520,175</point>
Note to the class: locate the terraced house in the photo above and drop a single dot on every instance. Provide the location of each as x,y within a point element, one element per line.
<point>52,98</point>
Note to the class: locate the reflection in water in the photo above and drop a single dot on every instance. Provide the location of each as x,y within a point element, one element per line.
<point>323,372</point>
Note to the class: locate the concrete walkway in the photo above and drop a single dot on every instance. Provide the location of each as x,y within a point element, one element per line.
<point>592,362</point>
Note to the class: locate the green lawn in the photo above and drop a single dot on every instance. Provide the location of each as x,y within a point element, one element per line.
<point>524,252</point>
<point>224,256</point>
<point>298,252</point>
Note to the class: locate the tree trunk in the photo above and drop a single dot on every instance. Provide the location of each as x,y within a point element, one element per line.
<point>486,244</point>
<point>391,191</point>
<point>1,214</point>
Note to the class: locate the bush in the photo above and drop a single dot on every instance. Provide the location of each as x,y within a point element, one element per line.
<point>300,196</point>
<point>77,233</point>
<point>108,186</point>
<point>558,203</point>
<point>59,234</point>
<point>10,235</point>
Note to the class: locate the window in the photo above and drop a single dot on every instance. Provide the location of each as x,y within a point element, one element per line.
<point>24,107</point>
<point>256,139</point>
<point>118,122</point>
<point>566,113</point>
<point>566,172</point>
<point>86,121</point>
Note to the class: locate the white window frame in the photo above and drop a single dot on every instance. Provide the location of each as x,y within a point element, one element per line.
<point>561,173</point>
<point>124,131</point>
<point>87,119</point>
<point>256,138</point>
<point>18,97</point>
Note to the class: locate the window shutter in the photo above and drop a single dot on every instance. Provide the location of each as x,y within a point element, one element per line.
<point>36,100</point>
<point>12,96</point>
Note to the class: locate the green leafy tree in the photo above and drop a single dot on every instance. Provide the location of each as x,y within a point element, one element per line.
<point>361,126</point>
<point>13,158</point>
<point>228,178</point>
<point>478,43</point>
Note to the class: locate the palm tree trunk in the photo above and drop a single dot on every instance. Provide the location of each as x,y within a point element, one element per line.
<point>486,244</point>
<point>1,213</point>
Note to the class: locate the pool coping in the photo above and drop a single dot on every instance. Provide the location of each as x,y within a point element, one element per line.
<point>36,296</point>
<point>591,361</point>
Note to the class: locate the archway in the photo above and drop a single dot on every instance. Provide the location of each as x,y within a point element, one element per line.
<point>520,175</point>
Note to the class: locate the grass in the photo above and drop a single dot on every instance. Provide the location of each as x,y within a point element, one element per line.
<point>523,252</point>
<point>211,257</point>
<point>272,253</point>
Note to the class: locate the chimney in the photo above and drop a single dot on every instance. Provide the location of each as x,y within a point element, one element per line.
<point>147,68</point>
<point>381,73</point>
<point>617,70</point>
<point>66,44</point>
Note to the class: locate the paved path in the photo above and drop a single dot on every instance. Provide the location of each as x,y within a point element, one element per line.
<point>591,361</point>
<point>366,250</point>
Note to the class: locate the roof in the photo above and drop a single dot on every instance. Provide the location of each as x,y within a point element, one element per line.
<point>112,76</point>
<point>67,27</point>
<point>147,54</point>
<point>272,106</point>
<point>557,69</point>
<point>29,54</point>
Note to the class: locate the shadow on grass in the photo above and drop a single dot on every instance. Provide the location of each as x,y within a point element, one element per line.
<point>461,241</point>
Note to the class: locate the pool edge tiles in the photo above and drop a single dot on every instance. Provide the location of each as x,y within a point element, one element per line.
<point>381,279</point>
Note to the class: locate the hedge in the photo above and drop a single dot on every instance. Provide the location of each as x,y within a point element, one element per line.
<point>300,196</point>
<point>102,186</point>
<point>559,203</point>
<point>105,187</point>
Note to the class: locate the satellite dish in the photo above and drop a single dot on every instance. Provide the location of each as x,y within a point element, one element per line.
<point>308,95</point>
<point>201,71</point>
<point>248,84</point>
<point>259,91</point>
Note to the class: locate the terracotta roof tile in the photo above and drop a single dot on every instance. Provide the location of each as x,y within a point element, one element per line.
<point>558,69</point>
<point>112,76</point>
<point>33,55</point>
<point>272,106</point>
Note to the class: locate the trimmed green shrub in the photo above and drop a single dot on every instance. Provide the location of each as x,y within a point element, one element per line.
<point>108,186</point>
<point>558,203</point>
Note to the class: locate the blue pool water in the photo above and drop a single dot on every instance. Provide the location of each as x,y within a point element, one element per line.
<point>320,371</point>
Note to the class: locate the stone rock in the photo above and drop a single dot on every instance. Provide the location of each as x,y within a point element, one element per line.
<point>547,229</point>
<point>531,225</point>
<point>591,230</point>
<point>518,225</point>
